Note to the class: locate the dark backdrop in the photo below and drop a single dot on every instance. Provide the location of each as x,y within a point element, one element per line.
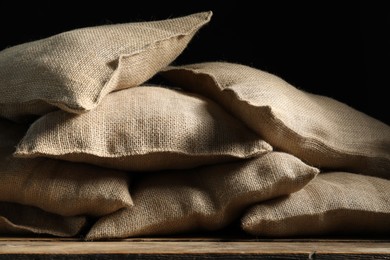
<point>334,48</point>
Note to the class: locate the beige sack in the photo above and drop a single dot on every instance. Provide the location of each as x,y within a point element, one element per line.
<point>208,198</point>
<point>74,70</point>
<point>332,203</point>
<point>63,188</point>
<point>319,130</point>
<point>143,129</point>
<point>18,219</point>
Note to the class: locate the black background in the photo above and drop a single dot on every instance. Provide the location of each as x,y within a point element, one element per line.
<point>334,48</point>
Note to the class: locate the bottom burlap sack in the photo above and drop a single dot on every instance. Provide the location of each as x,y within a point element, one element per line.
<point>207,198</point>
<point>59,187</point>
<point>16,219</point>
<point>332,203</point>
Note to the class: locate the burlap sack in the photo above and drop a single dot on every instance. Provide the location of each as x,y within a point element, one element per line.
<point>332,203</point>
<point>60,187</point>
<point>144,128</point>
<point>208,198</point>
<point>74,70</point>
<point>319,130</point>
<point>16,219</point>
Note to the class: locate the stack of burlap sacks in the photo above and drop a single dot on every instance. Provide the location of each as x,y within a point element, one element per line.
<point>90,148</point>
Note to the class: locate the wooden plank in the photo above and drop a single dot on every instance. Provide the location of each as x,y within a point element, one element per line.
<point>212,248</point>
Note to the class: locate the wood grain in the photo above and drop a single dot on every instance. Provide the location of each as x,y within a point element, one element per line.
<point>194,248</point>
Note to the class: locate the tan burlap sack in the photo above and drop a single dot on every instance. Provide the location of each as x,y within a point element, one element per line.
<point>332,203</point>
<point>208,198</point>
<point>74,70</point>
<point>16,219</point>
<point>319,130</point>
<point>144,128</point>
<point>59,187</point>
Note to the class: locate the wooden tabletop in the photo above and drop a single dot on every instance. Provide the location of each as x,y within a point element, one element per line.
<point>194,248</point>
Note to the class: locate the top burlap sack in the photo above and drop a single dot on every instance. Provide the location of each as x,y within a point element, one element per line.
<point>320,130</point>
<point>74,70</point>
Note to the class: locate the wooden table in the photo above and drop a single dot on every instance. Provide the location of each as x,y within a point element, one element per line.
<point>195,248</point>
